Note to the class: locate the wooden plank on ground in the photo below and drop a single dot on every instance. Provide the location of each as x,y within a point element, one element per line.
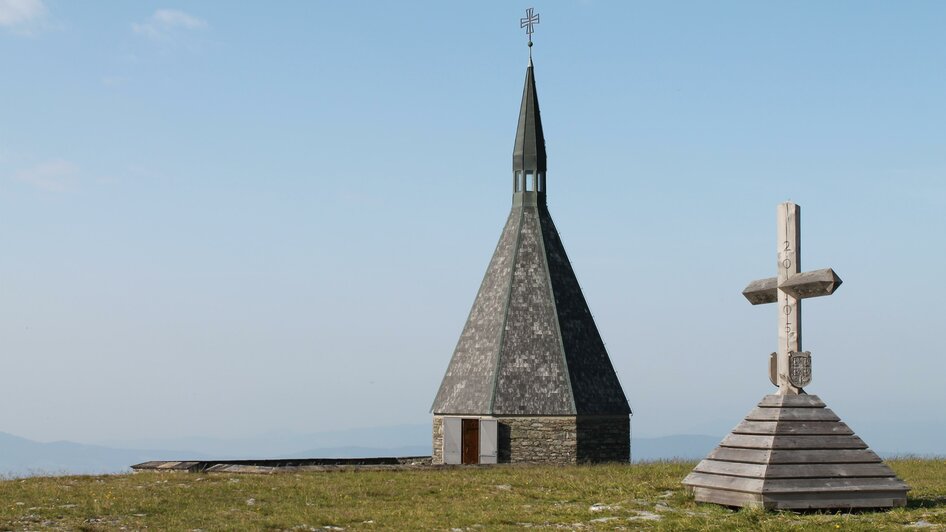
<point>153,464</point>
<point>241,468</point>
<point>176,466</point>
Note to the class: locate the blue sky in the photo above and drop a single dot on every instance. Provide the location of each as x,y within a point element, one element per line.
<point>223,219</point>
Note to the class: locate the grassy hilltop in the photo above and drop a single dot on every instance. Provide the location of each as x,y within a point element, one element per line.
<point>608,497</point>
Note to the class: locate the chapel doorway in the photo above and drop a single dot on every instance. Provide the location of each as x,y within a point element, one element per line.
<point>470,438</point>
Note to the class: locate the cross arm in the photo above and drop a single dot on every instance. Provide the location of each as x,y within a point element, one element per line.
<point>812,284</point>
<point>762,291</point>
<point>801,286</point>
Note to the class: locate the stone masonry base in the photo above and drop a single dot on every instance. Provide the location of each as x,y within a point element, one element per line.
<point>554,439</point>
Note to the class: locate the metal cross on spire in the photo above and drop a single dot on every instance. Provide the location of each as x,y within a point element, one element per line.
<point>790,367</point>
<point>528,22</point>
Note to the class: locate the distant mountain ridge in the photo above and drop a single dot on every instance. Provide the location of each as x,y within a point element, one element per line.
<point>287,444</point>
<point>23,457</point>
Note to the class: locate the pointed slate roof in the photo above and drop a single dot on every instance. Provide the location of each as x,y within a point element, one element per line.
<point>530,345</point>
<point>529,152</point>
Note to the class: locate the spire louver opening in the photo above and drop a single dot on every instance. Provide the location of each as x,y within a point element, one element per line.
<point>528,155</point>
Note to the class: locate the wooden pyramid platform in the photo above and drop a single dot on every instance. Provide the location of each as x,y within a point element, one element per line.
<point>791,452</point>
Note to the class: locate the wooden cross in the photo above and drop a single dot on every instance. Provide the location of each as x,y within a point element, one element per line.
<point>790,368</point>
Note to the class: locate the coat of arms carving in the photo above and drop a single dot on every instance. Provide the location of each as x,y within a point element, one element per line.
<point>799,368</point>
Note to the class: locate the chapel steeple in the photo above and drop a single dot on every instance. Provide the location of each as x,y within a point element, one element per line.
<point>528,155</point>
<point>530,379</point>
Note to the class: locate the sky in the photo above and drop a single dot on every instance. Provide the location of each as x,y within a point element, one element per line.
<point>225,219</point>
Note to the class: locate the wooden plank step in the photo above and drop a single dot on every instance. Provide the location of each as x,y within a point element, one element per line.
<point>822,456</point>
<point>833,485</point>
<point>793,456</point>
<point>726,497</point>
<point>792,427</point>
<point>792,452</point>
<point>879,470</point>
<point>748,441</point>
<point>769,471</point>
<point>792,414</point>
<point>735,454</point>
<point>795,401</point>
<point>735,469</point>
<point>753,441</point>
<point>706,480</point>
<point>818,501</point>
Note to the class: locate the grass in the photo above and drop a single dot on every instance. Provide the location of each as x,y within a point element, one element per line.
<point>606,497</point>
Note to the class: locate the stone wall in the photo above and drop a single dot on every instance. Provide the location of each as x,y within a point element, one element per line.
<point>437,454</point>
<point>537,440</point>
<point>554,439</point>
<point>604,439</point>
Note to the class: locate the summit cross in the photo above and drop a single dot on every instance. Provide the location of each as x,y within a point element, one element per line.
<point>528,22</point>
<point>790,367</point>
<point>791,452</point>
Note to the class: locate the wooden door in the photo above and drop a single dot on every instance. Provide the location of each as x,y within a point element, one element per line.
<point>470,451</point>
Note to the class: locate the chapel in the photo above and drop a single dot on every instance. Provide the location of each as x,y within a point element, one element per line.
<point>530,380</point>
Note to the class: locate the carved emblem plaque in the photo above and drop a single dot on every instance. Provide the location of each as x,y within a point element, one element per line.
<point>799,368</point>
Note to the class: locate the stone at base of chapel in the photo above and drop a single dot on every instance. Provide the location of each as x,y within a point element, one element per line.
<point>554,440</point>
<point>791,451</point>
<point>530,380</point>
